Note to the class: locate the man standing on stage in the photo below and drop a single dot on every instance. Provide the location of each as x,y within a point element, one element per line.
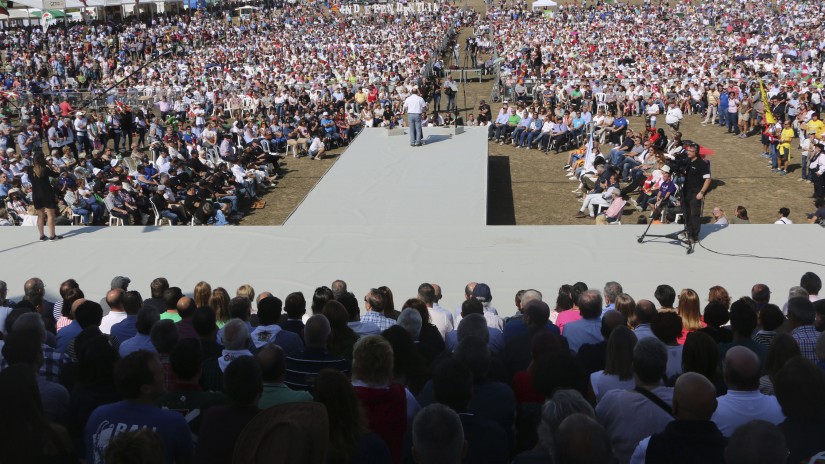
<point>697,183</point>
<point>414,105</point>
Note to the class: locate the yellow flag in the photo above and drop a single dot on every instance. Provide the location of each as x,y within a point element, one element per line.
<point>769,118</point>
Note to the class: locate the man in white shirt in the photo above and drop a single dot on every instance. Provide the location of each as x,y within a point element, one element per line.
<point>673,116</point>
<point>783,216</point>
<point>440,317</point>
<point>81,130</point>
<point>317,148</point>
<point>117,312</point>
<point>414,106</point>
<point>744,402</point>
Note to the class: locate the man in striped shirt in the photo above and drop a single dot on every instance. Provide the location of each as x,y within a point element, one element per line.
<point>302,368</point>
<point>374,304</point>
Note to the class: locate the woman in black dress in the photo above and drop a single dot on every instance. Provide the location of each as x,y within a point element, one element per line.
<point>45,200</point>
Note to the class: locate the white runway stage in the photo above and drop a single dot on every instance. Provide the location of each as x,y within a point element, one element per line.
<point>298,258</point>
<point>389,214</point>
<point>381,180</point>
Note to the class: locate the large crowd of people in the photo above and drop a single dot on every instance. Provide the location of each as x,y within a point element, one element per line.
<point>582,375</point>
<point>223,101</point>
<point>592,68</point>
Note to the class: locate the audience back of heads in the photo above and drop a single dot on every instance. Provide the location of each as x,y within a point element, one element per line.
<point>171,296</point>
<point>272,360</point>
<point>756,442</point>
<point>743,318</point>
<point>295,306</point>
<point>240,308</point>
<point>644,312</point>
<point>537,313</point>
<point>665,295</point>
<point>471,306</point>
<point>164,336</point>
<point>235,335</point>
<point>158,287</point>
<point>132,302</point>
<point>590,304</point>
<point>320,298</point>
<point>580,439</point>
<point>351,304</point>
<point>811,283</point>
<point>269,310</point>
<point>243,381</point>
<point>88,314</point>
<point>473,325</point>
<point>438,436</point>
<point>410,320</point>
<point>801,311</point>
<point>204,321</point>
<point>649,361</point>
<point>186,307</point>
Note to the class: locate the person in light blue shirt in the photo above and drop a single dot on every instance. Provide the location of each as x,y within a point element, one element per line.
<point>146,318</point>
<point>586,116</point>
<point>577,125</point>
<point>501,121</point>
<point>532,131</point>
<point>644,312</point>
<point>523,126</point>
<point>588,329</point>
<point>66,335</point>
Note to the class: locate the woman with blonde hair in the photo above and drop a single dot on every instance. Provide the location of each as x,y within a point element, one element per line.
<point>688,310</point>
<point>219,302</point>
<point>626,305</point>
<point>202,293</point>
<point>719,294</point>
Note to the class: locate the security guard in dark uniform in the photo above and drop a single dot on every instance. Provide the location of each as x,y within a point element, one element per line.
<point>697,183</point>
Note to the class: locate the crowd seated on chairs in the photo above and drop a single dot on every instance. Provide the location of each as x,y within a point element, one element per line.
<point>200,151</point>
<point>639,63</point>
<point>600,376</point>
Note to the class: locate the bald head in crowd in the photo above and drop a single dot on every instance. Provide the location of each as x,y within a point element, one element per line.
<point>694,397</point>
<point>114,298</point>
<point>742,369</point>
<point>186,307</point>
<point>645,309</point>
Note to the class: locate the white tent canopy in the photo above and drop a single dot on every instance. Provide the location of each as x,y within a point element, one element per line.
<point>89,3</point>
<point>542,4</point>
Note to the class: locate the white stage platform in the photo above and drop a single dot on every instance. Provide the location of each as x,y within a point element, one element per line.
<point>299,258</point>
<point>382,180</point>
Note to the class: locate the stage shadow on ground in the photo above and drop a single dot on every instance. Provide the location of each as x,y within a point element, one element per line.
<point>501,210</point>
<point>434,138</point>
<point>59,230</point>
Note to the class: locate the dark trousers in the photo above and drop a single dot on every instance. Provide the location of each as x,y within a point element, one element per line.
<point>693,214</point>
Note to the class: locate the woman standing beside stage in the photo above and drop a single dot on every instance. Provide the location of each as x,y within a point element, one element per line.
<point>45,203</point>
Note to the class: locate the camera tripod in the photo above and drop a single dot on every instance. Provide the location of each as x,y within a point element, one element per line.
<point>682,236</point>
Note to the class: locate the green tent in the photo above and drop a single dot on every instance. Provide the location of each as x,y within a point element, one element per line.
<point>54,13</point>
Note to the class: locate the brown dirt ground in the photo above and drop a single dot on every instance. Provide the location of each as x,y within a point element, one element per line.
<point>530,188</point>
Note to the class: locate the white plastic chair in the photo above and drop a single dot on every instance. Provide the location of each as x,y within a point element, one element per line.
<point>600,102</point>
<point>158,218</point>
<point>114,220</point>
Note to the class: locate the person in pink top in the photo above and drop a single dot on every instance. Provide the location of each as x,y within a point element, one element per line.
<point>566,317</point>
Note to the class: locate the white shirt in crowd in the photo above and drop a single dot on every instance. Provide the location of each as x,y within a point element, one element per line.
<point>414,104</point>
<point>739,407</point>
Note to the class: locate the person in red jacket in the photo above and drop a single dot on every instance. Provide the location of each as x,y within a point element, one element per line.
<point>384,401</point>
